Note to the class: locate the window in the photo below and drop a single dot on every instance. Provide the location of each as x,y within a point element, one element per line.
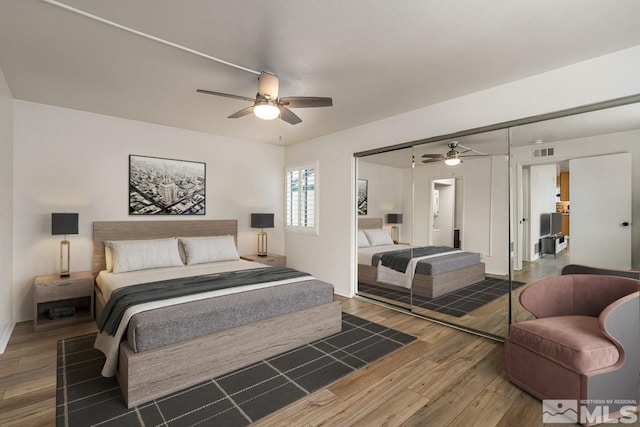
<point>302,198</point>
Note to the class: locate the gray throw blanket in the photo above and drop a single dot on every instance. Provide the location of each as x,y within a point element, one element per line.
<point>123,298</point>
<point>399,260</point>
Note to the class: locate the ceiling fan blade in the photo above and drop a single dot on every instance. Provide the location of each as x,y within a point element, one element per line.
<point>434,160</point>
<point>226,95</point>
<point>480,153</point>
<point>306,101</point>
<point>241,113</point>
<point>268,85</point>
<point>434,156</point>
<point>288,116</point>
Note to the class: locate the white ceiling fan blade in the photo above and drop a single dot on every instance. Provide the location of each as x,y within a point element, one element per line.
<point>268,86</point>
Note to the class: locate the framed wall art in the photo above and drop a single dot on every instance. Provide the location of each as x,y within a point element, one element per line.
<point>159,186</point>
<point>362,196</point>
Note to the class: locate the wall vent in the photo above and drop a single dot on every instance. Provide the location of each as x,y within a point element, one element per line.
<point>536,248</point>
<point>544,152</point>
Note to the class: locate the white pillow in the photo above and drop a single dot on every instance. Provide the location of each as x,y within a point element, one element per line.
<point>132,255</point>
<point>199,250</point>
<point>363,242</point>
<point>108,257</point>
<point>378,237</point>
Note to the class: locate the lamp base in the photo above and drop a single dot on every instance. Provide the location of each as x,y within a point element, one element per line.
<point>262,243</point>
<point>65,256</point>
<point>395,234</point>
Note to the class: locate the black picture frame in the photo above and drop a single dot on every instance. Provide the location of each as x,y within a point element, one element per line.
<point>161,186</point>
<point>363,198</point>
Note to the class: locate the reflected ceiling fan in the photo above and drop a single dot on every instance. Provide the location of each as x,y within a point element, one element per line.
<point>454,156</point>
<point>268,106</point>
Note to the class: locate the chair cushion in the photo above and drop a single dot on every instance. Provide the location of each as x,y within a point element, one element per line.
<point>574,342</point>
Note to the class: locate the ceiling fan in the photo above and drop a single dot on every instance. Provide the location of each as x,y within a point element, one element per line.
<point>454,155</point>
<point>268,106</point>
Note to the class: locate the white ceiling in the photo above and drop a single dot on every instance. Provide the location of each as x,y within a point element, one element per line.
<point>375,58</point>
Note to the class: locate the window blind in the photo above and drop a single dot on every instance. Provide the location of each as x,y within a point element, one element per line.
<point>301,190</point>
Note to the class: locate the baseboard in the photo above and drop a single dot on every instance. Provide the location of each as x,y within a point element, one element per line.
<point>5,334</point>
<point>342,294</point>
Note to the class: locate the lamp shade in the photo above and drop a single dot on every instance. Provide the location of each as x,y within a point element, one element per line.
<point>261,220</point>
<point>64,223</point>
<point>394,218</point>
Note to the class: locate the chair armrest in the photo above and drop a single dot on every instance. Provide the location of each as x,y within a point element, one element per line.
<point>619,322</point>
<point>584,269</point>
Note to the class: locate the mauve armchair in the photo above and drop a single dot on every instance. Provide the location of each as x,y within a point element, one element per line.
<point>584,343</point>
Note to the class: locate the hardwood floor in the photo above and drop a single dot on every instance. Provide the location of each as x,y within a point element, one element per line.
<point>445,378</point>
<point>28,374</point>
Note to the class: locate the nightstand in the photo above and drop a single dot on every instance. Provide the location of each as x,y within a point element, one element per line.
<point>273,260</point>
<point>62,301</point>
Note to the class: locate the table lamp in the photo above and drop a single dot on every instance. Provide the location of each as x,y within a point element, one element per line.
<point>63,224</point>
<point>262,221</point>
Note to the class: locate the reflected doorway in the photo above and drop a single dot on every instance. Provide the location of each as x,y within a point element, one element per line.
<point>445,219</point>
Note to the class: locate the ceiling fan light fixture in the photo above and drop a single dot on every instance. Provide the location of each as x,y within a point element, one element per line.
<point>452,157</point>
<point>452,161</point>
<point>266,110</point>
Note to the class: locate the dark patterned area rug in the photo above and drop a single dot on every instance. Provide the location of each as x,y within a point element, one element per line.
<point>85,398</point>
<point>457,303</point>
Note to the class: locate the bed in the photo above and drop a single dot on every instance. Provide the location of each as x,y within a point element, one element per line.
<point>436,274</point>
<point>168,347</point>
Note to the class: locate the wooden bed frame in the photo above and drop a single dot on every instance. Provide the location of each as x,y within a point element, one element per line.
<point>423,285</point>
<point>155,373</point>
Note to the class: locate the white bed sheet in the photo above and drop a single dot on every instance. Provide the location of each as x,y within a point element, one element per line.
<point>109,344</point>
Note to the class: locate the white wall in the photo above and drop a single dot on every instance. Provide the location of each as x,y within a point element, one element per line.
<point>6,213</point>
<point>542,188</point>
<point>384,183</point>
<point>331,255</point>
<point>72,161</point>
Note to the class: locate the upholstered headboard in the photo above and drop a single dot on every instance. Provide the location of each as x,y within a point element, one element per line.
<point>368,223</point>
<point>140,230</point>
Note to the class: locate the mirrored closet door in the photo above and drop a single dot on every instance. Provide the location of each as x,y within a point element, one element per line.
<point>573,193</point>
<point>385,197</point>
<point>461,225</point>
<point>475,217</point>
<point>437,223</point>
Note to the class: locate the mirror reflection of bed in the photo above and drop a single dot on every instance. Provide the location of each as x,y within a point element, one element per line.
<point>448,284</point>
